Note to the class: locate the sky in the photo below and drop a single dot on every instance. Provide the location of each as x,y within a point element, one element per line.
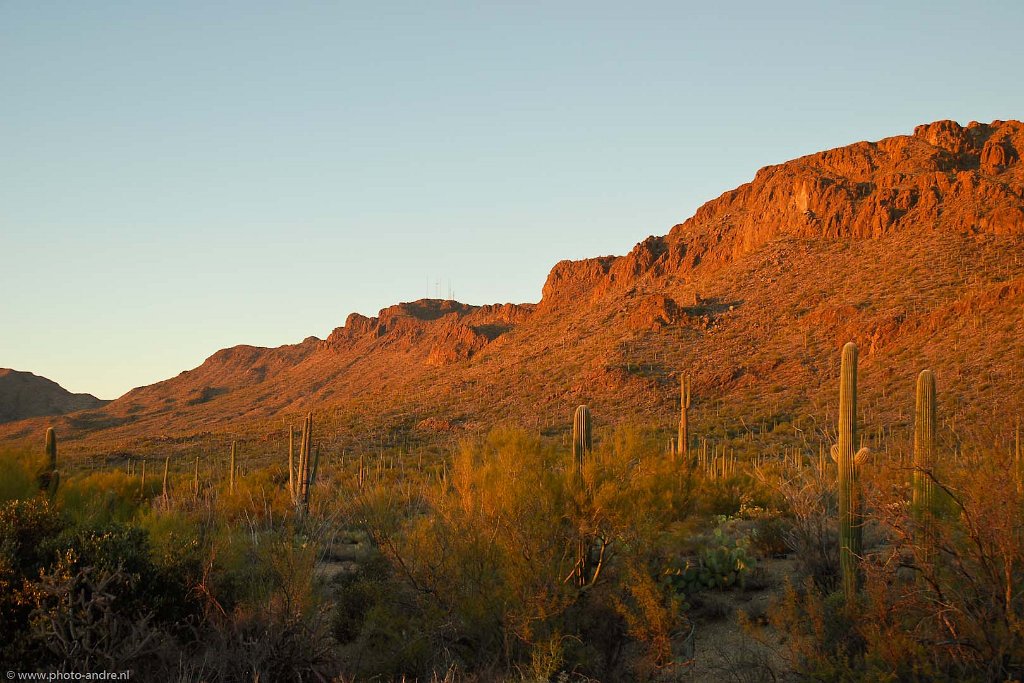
<point>179,177</point>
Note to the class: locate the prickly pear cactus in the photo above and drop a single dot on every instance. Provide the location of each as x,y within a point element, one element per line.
<point>722,564</point>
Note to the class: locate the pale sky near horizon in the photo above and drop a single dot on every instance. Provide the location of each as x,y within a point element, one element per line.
<point>180,177</point>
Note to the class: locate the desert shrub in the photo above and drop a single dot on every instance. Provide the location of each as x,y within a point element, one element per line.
<point>951,600</point>
<point>769,533</point>
<point>810,507</point>
<point>263,644</point>
<point>821,641</point>
<point>25,528</point>
<point>728,495</point>
<point>100,498</point>
<point>943,605</point>
<point>653,618</point>
<point>724,496</point>
<point>488,558</point>
<point>258,491</point>
<point>18,475</point>
<point>73,593</point>
<point>85,617</point>
<point>355,594</point>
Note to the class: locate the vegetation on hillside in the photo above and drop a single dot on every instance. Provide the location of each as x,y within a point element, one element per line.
<point>516,557</point>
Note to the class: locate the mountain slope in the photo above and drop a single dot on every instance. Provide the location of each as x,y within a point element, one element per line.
<point>912,246</point>
<point>24,395</point>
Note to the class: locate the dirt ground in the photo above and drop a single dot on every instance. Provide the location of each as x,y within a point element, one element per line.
<point>723,650</point>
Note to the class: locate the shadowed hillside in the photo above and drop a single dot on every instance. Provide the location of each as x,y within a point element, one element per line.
<point>24,395</point>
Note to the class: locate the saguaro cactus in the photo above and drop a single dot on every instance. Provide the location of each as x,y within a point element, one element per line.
<point>49,477</point>
<point>291,462</point>
<point>850,522</point>
<point>925,424</point>
<point>164,493</point>
<point>231,470</point>
<point>1018,460</point>
<point>582,437</point>
<point>305,463</point>
<point>582,444</point>
<point>683,442</point>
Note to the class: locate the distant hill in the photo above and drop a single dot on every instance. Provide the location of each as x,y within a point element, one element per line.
<point>912,246</point>
<point>24,395</point>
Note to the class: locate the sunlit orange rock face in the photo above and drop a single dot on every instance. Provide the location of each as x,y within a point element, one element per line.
<point>912,246</point>
<point>944,177</point>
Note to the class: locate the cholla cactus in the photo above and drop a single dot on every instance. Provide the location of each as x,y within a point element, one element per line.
<point>850,513</point>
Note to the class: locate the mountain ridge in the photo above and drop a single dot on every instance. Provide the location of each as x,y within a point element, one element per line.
<point>24,395</point>
<point>930,223</point>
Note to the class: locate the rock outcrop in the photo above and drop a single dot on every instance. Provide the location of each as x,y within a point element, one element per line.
<point>945,177</point>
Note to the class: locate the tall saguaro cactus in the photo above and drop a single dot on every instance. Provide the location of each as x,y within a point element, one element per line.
<point>1018,460</point>
<point>307,466</point>
<point>925,424</point>
<point>850,513</point>
<point>164,493</point>
<point>582,444</point>
<point>683,442</point>
<point>231,470</point>
<point>49,477</point>
<point>291,462</point>
<point>582,437</point>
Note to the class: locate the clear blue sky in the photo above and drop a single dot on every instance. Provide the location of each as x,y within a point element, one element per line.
<point>177,177</point>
